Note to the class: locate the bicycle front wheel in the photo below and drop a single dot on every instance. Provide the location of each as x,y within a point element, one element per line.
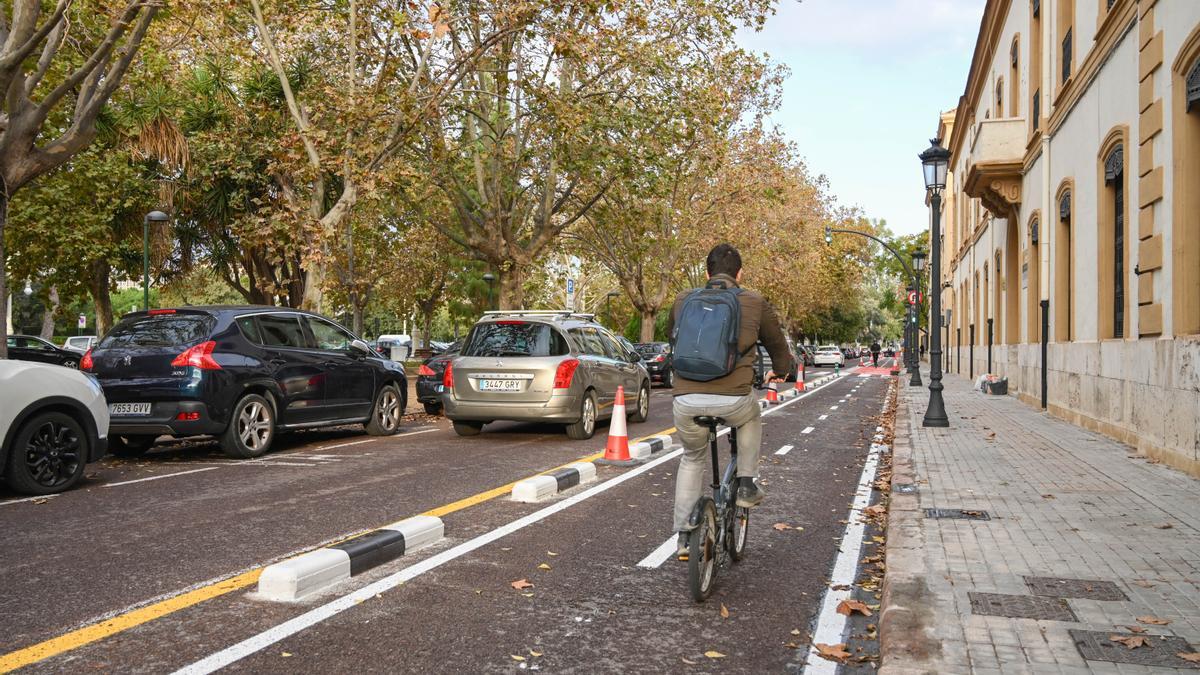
<point>702,552</point>
<point>737,534</point>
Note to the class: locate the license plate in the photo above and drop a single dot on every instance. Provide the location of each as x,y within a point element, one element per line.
<point>499,385</point>
<point>128,408</point>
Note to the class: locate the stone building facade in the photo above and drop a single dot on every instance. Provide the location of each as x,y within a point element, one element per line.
<point>1073,214</point>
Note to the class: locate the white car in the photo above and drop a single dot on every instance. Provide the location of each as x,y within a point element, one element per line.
<point>829,355</point>
<point>80,343</point>
<point>53,421</point>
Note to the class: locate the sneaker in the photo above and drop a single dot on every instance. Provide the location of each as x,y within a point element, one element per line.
<point>681,548</point>
<point>749,493</point>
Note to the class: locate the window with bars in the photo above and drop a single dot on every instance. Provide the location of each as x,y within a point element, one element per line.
<point>1064,207</point>
<point>1114,168</point>
<point>1037,8</point>
<point>1066,55</point>
<point>1037,109</point>
<point>1193,88</point>
<point>1111,3</point>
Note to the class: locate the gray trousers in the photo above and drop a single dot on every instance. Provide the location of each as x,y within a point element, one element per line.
<point>740,412</point>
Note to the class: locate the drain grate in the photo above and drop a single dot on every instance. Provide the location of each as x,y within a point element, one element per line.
<point>1086,589</point>
<point>958,514</point>
<point>1021,606</point>
<point>1160,650</point>
<point>904,488</point>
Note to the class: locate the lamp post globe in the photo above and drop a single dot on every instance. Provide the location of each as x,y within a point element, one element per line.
<point>935,163</point>
<point>28,289</point>
<point>152,217</point>
<point>918,258</point>
<point>491,282</point>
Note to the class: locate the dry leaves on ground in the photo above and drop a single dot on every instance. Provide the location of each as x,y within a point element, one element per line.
<point>782,526</point>
<point>724,611</point>
<point>1131,641</point>
<point>1164,526</point>
<point>1153,620</point>
<point>1135,629</point>
<point>848,607</point>
<point>517,657</point>
<point>544,566</point>
<point>832,652</point>
<point>521,584</point>
<point>1191,657</point>
<point>714,654</point>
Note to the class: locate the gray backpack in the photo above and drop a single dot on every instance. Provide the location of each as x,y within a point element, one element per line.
<point>705,338</point>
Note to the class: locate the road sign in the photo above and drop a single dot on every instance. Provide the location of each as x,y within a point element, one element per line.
<point>914,297</point>
<point>570,287</point>
<point>82,321</point>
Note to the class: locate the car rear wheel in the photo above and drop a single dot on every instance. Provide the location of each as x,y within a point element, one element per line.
<point>251,430</point>
<point>48,455</point>
<point>641,409</point>
<point>386,413</point>
<point>585,427</point>
<point>669,378</point>
<point>130,446</point>
<point>468,428</point>
<point>433,408</point>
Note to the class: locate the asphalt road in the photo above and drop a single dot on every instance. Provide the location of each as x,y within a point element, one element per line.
<point>108,557</point>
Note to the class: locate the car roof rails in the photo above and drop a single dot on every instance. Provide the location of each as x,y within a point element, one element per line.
<point>546,313</point>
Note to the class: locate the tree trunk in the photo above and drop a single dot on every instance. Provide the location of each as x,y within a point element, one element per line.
<point>648,317</point>
<point>48,315</point>
<point>98,287</point>
<point>427,326</point>
<point>4,299</point>
<point>356,319</point>
<point>512,288</point>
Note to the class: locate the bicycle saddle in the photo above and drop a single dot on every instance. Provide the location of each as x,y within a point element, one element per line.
<point>708,421</point>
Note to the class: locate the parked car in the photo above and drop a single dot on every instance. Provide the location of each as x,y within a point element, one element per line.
<point>80,343</point>
<point>660,363</point>
<point>542,366</point>
<point>240,374</point>
<point>806,352</point>
<point>53,421</point>
<point>30,348</point>
<point>429,378</point>
<point>829,355</point>
<point>437,346</point>
<point>763,363</point>
<point>394,347</point>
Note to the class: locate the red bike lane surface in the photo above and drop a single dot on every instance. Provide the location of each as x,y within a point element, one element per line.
<point>593,608</point>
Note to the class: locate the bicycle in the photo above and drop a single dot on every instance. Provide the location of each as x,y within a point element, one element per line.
<point>718,524</point>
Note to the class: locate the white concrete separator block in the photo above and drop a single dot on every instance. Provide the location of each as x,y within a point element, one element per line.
<point>535,489</point>
<point>304,575</point>
<point>587,471</point>
<point>418,531</point>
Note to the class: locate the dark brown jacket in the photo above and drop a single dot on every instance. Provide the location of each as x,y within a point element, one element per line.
<point>759,324</point>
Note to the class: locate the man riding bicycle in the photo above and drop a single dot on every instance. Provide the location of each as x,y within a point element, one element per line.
<point>722,392</point>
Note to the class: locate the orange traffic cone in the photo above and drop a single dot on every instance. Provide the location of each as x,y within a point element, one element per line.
<point>772,393</point>
<point>617,449</point>
<point>800,383</point>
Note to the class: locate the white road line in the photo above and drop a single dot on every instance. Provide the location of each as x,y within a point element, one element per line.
<point>414,433</point>
<point>823,417</point>
<point>27,499</point>
<point>659,555</point>
<point>807,430</point>
<point>785,449</point>
<point>831,626</point>
<point>833,407</point>
<point>168,475</point>
<point>344,445</point>
<point>842,401</point>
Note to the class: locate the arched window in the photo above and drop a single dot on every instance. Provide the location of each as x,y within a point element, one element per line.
<point>1031,268</point>
<point>1114,184</point>
<point>1193,89</point>
<point>1063,277</point>
<point>1000,98</point>
<point>1066,31</point>
<point>1185,228</point>
<point>1014,77</point>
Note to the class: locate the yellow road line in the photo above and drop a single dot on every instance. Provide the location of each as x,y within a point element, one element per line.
<point>123,622</point>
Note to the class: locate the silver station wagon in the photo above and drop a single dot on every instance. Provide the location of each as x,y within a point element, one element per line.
<point>542,366</point>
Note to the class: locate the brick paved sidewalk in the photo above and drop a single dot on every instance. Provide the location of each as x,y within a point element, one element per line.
<point>989,596</point>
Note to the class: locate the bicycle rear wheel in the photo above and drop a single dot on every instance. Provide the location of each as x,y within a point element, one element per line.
<point>702,552</point>
<point>737,534</point>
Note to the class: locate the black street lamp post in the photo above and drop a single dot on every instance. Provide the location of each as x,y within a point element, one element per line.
<point>607,305</point>
<point>491,282</point>
<point>935,161</point>
<point>918,258</point>
<point>152,217</point>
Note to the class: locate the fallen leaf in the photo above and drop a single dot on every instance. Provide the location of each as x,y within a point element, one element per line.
<point>1049,497</point>
<point>1153,620</point>
<point>521,584</point>
<point>533,653</point>
<point>551,553</point>
<point>724,611</point>
<point>286,654</point>
<point>832,652</point>
<point>714,654</point>
<point>1130,641</point>
<point>791,645</point>
<point>543,566</point>
<point>991,435</point>
<point>1192,657</point>
<point>517,657</point>
<point>848,607</point>
<point>1135,629</point>
<point>690,663</point>
<point>43,500</point>
<point>795,631</point>
<point>782,526</point>
<point>528,595</point>
<point>1164,526</point>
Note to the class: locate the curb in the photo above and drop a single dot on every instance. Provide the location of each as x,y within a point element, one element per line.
<point>540,488</point>
<point>315,571</point>
<point>907,643</point>
<point>646,447</point>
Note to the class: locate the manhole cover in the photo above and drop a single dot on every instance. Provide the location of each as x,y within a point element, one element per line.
<point>959,514</point>
<point>1159,650</point>
<point>1086,589</point>
<point>904,488</point>
<point>1021,606</point>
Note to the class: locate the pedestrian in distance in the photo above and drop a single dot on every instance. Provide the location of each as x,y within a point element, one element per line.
<point>875,349</point>
<point>714,333</point>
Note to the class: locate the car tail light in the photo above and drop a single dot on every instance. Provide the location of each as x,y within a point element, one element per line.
<point>566,371</point>
<point>188,416</point>
<point>86,362</point>
<point>660,358</point>
<point>425,371</point>
<point>156,312</point>
<point>448,376</point>
<point>199,356</point>
<point>510,322</point>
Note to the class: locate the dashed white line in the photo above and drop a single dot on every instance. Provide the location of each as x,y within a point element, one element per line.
<point>167,475</point>
<point>807,430</point>
<point>785,449</point>
<point>833,407</point>
<point>823,417</point>
<point>659,555</point>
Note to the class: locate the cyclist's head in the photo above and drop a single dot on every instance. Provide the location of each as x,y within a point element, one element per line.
<point>724,259</point>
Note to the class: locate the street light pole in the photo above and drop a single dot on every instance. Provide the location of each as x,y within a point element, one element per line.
<point>157,217</point>
<point>935,161</point>
<point>608,306</point>
<point>491,281</point>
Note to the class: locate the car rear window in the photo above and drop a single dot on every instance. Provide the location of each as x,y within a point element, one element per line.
<point>651,348</point>
<point>514,338</point>
<point>159,330</point>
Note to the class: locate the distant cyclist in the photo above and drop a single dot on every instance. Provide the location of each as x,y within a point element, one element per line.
<point>875,349</point>
<point>714,332</point>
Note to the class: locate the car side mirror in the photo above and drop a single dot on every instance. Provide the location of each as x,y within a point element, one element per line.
<point>360,347</point>
<point>634,357</point>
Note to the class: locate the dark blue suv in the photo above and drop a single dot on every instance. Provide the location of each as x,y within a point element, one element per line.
<point>240,374</point>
